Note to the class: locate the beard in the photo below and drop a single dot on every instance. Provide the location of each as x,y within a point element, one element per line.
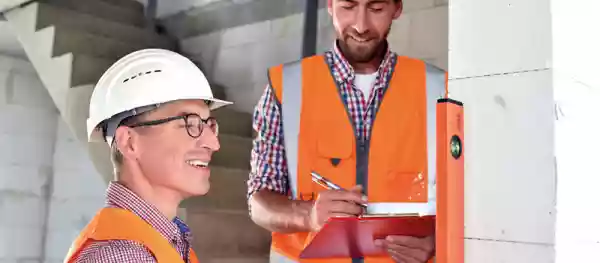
<point>362,52</point>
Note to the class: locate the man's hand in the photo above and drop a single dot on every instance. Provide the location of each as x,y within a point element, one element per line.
<point>407,249</point>
<point>332,203</point>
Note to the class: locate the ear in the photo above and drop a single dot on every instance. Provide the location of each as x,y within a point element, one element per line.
<point>126,138</point>
<point>398,6</point>
<point>330,7</point>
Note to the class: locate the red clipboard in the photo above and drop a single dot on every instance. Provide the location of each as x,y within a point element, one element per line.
<point>354,236</point>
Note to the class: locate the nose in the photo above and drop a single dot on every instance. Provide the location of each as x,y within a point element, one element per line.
<point>209,140</point>
<point>360,24</point>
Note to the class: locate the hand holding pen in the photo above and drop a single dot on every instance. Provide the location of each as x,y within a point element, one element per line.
<point>335,202</point>
<point>322,181</point>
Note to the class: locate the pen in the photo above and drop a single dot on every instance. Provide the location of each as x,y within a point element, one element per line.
<point>322,181</point>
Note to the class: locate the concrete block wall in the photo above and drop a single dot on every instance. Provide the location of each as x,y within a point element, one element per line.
<point>499,60</point>
<point>78,193</point>
<point>27,134</point>
<point>39,193</point>
<point>238,57</point>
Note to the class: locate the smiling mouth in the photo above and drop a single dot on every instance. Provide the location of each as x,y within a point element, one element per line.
<point>197,163</point>
<point>360,40</point>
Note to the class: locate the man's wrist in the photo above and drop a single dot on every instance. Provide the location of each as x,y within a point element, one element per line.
<point>302,209</point>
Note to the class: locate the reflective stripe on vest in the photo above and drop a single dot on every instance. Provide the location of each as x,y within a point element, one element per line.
<point>291,109</point>
<point>291,106</point>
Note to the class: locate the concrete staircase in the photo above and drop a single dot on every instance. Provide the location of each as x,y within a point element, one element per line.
<point>71,43</point>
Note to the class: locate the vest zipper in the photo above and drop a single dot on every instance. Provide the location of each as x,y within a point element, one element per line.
<point>362,147</point>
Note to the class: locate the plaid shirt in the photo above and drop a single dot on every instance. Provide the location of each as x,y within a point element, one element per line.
<point>175,231</point>
<point>268,164</point>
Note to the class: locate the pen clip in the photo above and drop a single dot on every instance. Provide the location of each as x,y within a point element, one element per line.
<point>324,182</point>
<point>320,182</point>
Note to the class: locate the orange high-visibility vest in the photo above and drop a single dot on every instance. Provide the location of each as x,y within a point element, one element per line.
<point>121,224</point>
<point>397,165</point>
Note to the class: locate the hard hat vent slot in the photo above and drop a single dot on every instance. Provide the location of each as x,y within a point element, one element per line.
<point>140,74</point>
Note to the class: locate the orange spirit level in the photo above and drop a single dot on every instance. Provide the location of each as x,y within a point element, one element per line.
<point>450,182</point>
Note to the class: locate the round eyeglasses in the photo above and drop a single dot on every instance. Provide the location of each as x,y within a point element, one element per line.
<point>194,124</point>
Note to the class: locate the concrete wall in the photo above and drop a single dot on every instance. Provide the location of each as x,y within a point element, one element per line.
<point>238,57</point>
<point>27,134</point>
<point>78,192</point>
<point>499,60</point>
<point>48,187</point>
<point>577,93</point>
<point>9,44</point>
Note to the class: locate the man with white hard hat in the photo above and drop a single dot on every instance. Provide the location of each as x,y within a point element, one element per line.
<point>153,108</point>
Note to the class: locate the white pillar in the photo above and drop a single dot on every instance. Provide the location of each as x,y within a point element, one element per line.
<point>500,67</point>
<point>577,92</point>
<point>28,121</point>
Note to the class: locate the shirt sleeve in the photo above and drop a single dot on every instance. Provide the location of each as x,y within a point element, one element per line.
<point>268,164</point>
<point>115,251</point>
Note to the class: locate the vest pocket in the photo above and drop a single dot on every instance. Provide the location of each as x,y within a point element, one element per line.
<point>334,160</point>
<point>335,146</point>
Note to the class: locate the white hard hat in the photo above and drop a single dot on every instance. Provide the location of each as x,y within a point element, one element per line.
<point>143,79</point>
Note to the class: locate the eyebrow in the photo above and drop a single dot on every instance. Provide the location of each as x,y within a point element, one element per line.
<point>183,113</point>
<point>377,2</point>
<point>370,2</point>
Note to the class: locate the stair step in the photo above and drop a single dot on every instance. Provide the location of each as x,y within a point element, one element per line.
<point>49,15</point>
<point>227,235</point>
<point>227,192</point>
<point>234,122</point>
<point>234,153</point>
<point>70,41</point>
<point>215,15</point>
<point>218,90</point>
<point>88,69</point>
<point>103,10</point>
<point>128,4</point>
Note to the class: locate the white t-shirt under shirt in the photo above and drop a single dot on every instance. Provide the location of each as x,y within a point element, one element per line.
<point>365,82</point>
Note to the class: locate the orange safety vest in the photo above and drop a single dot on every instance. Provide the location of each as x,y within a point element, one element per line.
<point>396,166</point>
<point>121,224</point>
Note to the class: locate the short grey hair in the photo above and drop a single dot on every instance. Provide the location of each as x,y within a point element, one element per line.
<point>124,119</point>
<point>116,157</point>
